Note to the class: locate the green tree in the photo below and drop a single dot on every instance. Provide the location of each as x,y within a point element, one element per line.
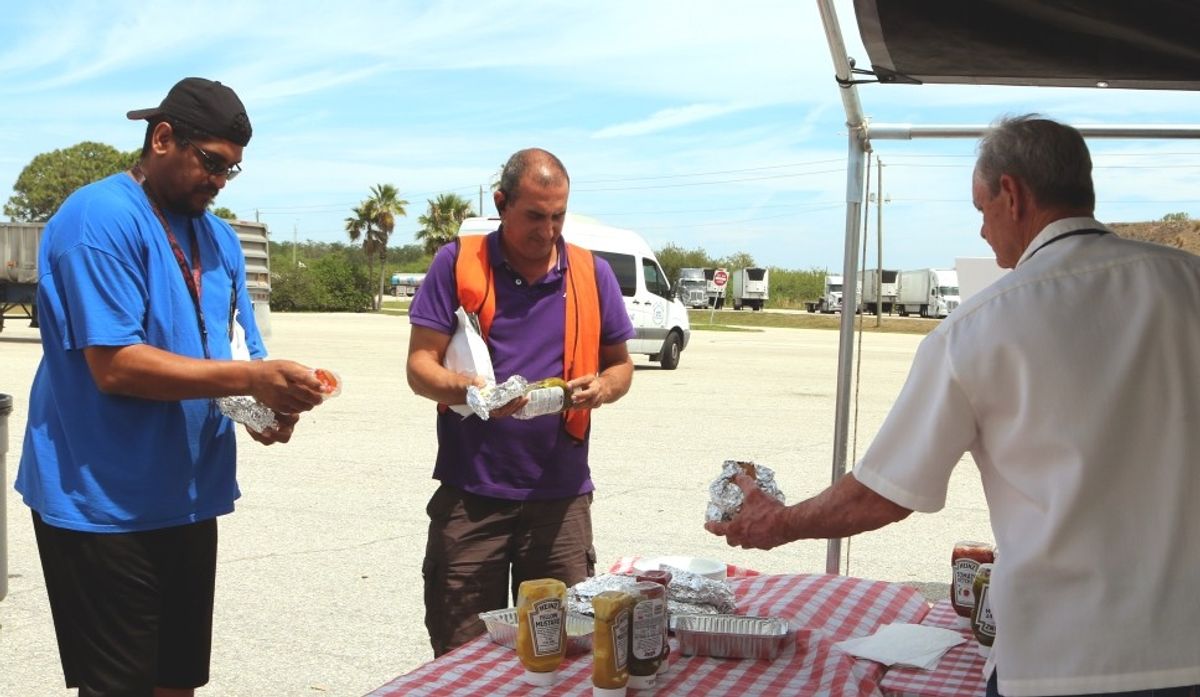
<point>386,205</point>
<point>331,283</point>
<point>737,260</point>
<point>50,177</point>
<point>1180,217</point>
<point>224,213</point>
<point>673,258</point>
<point>439,224</point>
<point>361,226</point>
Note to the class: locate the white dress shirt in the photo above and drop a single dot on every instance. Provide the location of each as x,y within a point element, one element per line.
<point>1074,381</point>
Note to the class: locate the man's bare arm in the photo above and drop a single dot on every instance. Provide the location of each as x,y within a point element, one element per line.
<point>845,508</point>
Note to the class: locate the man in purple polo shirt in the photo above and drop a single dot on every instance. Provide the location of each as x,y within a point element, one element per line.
<point>514,495</point>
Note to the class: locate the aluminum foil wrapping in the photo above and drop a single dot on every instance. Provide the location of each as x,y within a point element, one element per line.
<point>483,400</point>
<point>687,594</point>
<point>725,498</point>
<point>248,410</point>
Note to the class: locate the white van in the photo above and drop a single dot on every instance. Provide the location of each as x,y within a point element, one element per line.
<point>660,320</point>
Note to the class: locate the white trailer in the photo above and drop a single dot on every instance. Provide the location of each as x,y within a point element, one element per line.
<point>885,293</point>
<point>976,273</point>
<point>927,292</point>
<point>750,287</point>
<point>716,293</point>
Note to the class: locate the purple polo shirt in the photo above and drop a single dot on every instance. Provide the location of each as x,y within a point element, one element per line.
<point>510,458</point>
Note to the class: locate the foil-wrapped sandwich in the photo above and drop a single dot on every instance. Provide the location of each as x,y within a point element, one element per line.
<point>725,498</point>
<point>260,418</point>
<point>687,593</point>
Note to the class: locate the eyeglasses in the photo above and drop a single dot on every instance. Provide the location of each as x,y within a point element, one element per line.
<point>212,165</point>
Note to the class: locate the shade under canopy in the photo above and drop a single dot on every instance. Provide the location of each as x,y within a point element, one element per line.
<point>1132,44</point>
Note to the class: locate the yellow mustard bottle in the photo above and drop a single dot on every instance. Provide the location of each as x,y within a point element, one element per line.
<point>541,629</point>
<point>610,643</point>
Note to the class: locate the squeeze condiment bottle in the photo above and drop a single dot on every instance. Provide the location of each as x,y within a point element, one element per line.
<point>662,577</point>
<point>549,396</point>
<point>646,635</point>
<point>541,629</point>
<point>610,643</point>
<point>982,622</point>
<point>964,562</point>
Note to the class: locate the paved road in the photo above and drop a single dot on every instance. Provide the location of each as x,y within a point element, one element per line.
<point>319,586</point>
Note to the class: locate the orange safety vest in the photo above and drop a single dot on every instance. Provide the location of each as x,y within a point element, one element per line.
<point>581,338</point>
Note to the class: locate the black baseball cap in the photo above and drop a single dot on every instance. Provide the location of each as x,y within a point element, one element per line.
<point>204,104</point>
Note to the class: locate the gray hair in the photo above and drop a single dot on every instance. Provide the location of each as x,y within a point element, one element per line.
<point>1049,157</point>
<point>544,165</point>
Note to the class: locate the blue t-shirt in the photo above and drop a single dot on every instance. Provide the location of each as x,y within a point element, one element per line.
<point>107,277</point>
<point>509,458</point>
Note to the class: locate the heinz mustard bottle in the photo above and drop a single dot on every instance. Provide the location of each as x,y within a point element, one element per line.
<point>541,629</point>
<point>610,643</point>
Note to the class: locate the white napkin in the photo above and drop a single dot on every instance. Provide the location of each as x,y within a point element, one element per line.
<point>904,644</point>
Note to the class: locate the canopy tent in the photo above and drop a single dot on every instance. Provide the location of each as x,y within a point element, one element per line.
<point>1054,43</point>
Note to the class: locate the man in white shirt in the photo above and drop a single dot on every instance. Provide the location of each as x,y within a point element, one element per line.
<point>1072,382</point>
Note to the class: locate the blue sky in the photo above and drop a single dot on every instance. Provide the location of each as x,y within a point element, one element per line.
<point>702,123</point>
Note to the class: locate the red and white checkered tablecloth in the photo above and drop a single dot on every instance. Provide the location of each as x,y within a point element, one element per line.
<point>823,609</point>
<point>958,674</point>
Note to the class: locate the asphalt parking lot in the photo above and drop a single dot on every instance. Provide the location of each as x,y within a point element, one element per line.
<point>319,585</point>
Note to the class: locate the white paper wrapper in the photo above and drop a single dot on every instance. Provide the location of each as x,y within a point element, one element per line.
<point>725,496</point>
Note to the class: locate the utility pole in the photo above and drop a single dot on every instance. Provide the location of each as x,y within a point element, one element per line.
<point>481,199</point>
<point>256,216</point>
<point>879,241</point>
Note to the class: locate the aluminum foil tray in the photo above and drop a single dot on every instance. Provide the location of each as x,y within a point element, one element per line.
<point>502,629</point>
<point>732,636</point>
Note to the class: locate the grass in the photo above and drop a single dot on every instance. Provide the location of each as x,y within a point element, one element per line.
<point>750,321</point>
<point>727,320</point>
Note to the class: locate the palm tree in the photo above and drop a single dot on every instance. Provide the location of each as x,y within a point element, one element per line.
<point>361,225</point>
<point>385,205</point>
<point>440,223</point>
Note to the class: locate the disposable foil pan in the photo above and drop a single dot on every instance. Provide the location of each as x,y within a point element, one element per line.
<point>731,636</point>
<point>502,629</point>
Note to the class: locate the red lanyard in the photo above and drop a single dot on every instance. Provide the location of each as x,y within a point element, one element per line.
<point>191,274</point>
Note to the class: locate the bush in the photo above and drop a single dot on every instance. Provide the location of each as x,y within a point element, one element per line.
<point>329,284</point>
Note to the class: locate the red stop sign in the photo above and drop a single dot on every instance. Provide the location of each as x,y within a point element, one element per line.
<point>720,276</point>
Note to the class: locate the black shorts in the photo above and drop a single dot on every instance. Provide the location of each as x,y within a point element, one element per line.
<point>132,611</point>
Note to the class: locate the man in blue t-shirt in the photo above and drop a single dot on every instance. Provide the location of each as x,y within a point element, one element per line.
<point>127,461</point>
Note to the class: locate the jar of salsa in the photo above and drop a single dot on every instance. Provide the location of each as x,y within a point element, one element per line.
<point>982,622</point>
<point>964,563</point>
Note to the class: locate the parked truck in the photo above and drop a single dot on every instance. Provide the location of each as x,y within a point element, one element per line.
<point>831,297</point>
<point>750,288</point>
<point>873,293</point>
<point>975,274</point>
<point>927,292</point>
<point>716,294</point>
<point>405,285</point>
<point>692,287</point>
<point>18,271</point>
